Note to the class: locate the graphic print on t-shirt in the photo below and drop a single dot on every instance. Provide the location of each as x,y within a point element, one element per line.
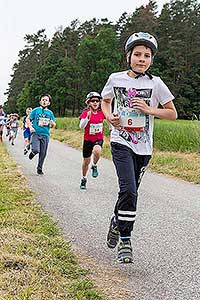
<point>135,124</point>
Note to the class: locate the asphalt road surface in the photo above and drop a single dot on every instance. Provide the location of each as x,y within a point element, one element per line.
<point>166,237</point>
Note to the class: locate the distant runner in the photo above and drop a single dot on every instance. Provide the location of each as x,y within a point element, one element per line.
<point>26,132</point>
<point>14,126</point>
<point>39,121</point>
<point>91,120</point>
<point>2,121</point>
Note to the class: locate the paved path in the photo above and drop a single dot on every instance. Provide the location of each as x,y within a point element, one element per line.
<point>166,238</point>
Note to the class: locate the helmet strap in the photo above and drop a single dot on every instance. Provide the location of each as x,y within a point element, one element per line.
<point>138,74</point>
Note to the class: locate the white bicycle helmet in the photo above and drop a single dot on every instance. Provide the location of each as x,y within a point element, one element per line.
<point>92,95</point>
<point>141,38</point>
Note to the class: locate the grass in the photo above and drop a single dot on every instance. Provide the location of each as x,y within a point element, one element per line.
<point>178,136</point>
<point>176,146</point>
<point>35,260</point>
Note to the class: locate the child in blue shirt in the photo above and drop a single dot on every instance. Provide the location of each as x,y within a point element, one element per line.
<point>39,121</point>
<point>26,132</point>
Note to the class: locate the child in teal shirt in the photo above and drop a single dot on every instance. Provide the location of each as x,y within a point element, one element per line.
<point>39,122</point>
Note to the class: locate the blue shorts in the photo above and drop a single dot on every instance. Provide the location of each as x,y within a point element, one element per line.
<point>27,133</point>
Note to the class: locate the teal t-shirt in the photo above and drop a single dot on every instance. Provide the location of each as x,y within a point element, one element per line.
<point>41,118</point>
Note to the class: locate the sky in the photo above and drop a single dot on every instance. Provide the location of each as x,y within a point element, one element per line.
<point>21,17</point>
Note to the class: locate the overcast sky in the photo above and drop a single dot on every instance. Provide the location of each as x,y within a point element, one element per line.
<point>21,17</point>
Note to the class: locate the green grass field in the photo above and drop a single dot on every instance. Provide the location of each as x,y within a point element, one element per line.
<point>183,136</point>
<point>180,135</point>
<point>176,145</point>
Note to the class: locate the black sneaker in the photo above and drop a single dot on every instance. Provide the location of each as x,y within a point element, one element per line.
<point>39,171</point>
<point>83,184</point>
<point>94,171</point>
<point>113,234</point>
<point>31,155</point>
<point>25,151</point>
<point>125,252</point>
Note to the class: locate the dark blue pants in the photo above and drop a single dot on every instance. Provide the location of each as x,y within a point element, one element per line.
<point>39,144</point>
<point>130,168</point>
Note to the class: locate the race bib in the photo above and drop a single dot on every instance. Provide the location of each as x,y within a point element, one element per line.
<point>43,121</point>
<point>132,120</point>
<point>96,128</point>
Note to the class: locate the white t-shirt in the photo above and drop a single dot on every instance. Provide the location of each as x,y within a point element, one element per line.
<point>138,132</point>
<point>2,119</point>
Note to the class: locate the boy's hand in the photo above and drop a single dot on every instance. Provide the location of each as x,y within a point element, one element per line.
<point>52,123</point>
<point>32,129</point>
<point>141,105</point>
<point>114,119</point>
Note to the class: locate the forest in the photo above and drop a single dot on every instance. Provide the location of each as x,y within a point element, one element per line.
<point>79,58</point>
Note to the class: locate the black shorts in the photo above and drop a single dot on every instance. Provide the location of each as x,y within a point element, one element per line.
<point>88,147</point>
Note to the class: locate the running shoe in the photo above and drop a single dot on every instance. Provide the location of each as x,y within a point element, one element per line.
<point>94,171</point>
<point>40,172</point>
<point>113,234</point>
<point>25,151</point>
<point>31,155</point>
<point>125,252</point>
<point>83,184</point>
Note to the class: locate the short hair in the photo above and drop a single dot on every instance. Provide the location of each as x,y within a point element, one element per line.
<point>45,94</point>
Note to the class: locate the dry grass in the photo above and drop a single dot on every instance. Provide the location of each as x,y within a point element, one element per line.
<point>182,165</point>
<point>36,263</point>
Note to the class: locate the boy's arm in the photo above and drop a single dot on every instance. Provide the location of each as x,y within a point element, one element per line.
<point>29,124</point>
<point>52,123</point>
<point>168,111</point>
<point>52,120</point>
<point>112,118</point>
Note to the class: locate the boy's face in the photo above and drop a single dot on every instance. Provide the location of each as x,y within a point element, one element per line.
<point>28,111</point>
<point>44,101</point>
<point>141,58</point>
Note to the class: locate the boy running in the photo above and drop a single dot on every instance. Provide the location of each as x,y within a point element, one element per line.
<point>136,95</point>
<point>91,120</point>
<point>39,121</point>
<point>26,132</point>
<point>14,126</point>
<point>2,121</point>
